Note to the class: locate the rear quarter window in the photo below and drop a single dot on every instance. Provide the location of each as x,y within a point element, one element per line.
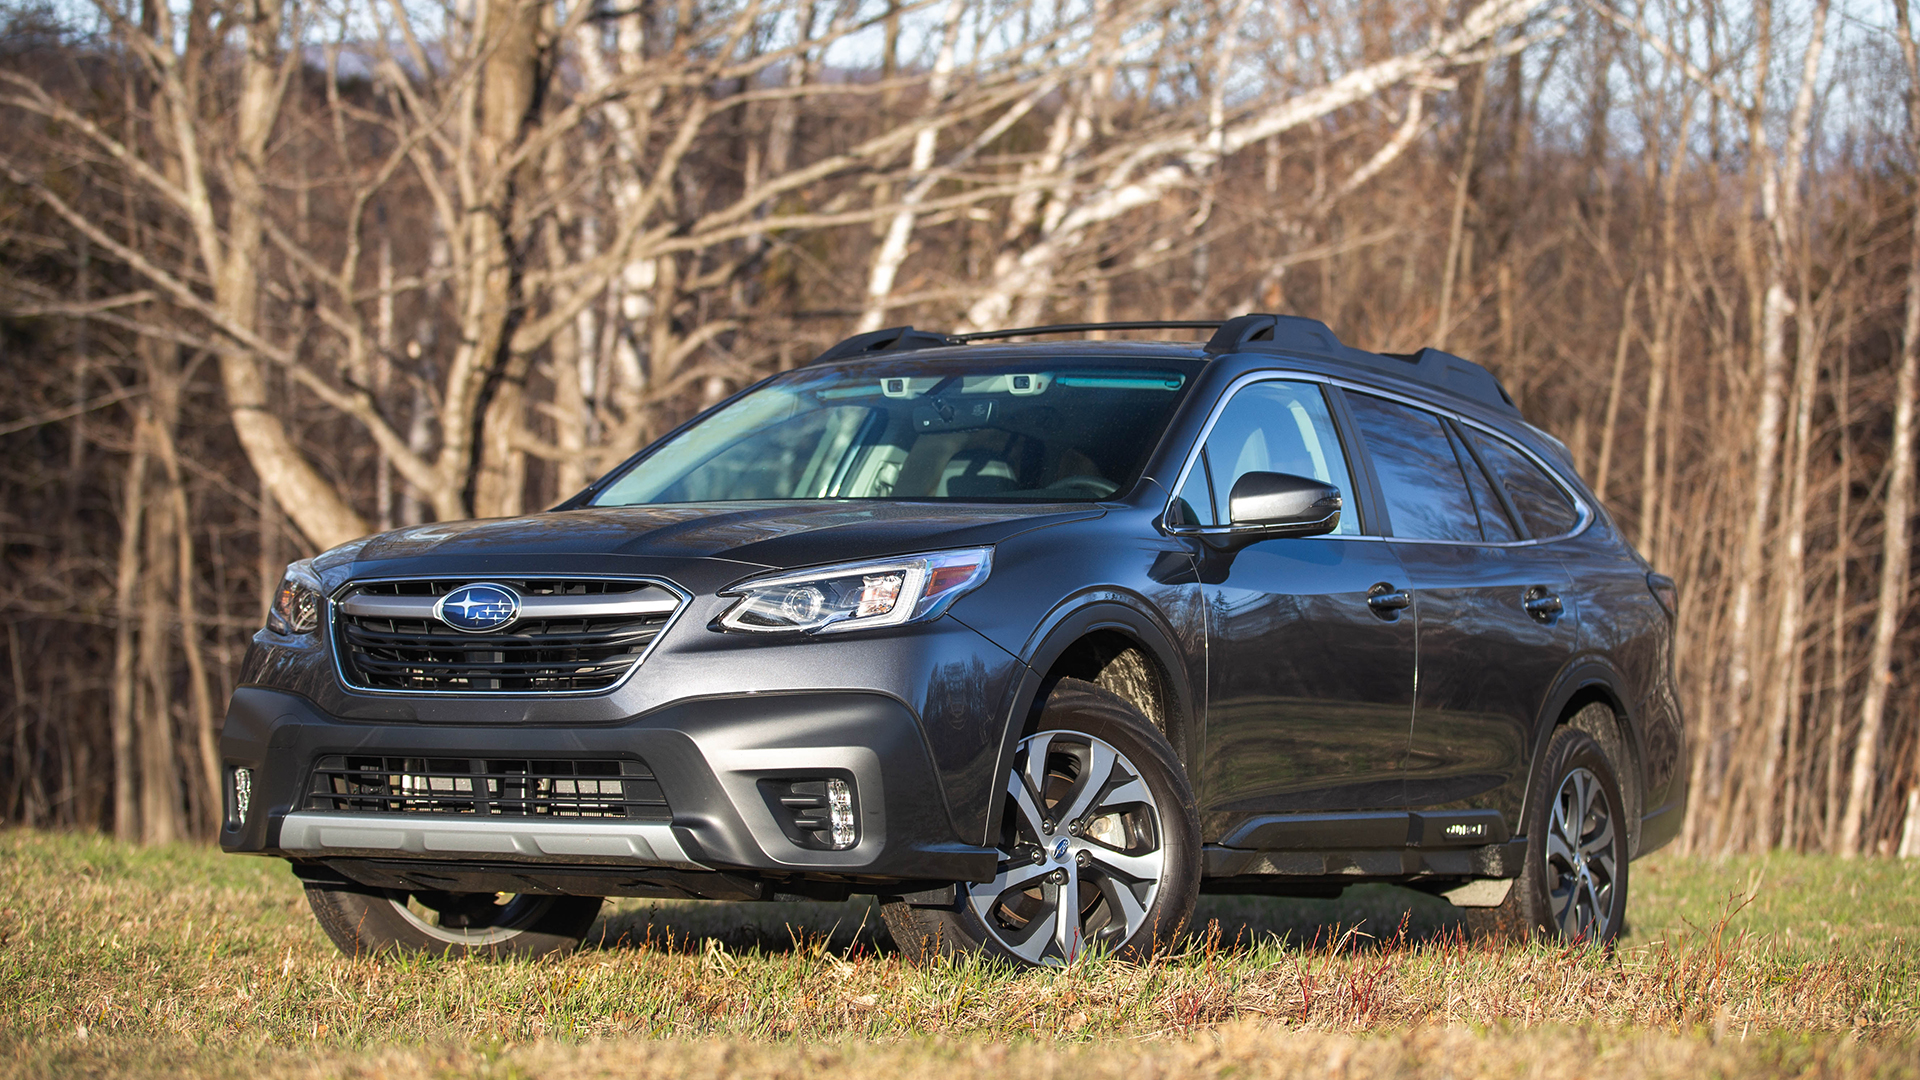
<point>1542,504</point>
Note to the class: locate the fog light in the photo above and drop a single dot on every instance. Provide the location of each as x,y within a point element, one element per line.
<point>840,806</point>
<point>242,795</point>
<point>818,812</point>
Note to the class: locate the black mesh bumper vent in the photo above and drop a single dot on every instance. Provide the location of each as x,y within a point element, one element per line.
<point>571,637</point>
<point>486,787</point>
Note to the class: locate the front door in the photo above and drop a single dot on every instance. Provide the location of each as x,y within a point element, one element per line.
<point>1310,641</point>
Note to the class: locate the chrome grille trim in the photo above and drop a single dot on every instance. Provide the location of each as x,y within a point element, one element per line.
<point>595,603</point>
<point>361,605</point>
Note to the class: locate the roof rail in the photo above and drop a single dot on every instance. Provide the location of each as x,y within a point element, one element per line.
<point>892,339</point>
<point>1081,328</point>
<point>1261,332</point>
<point>1290,331</point>
<point>903,338</point>
<point>1460,375</point>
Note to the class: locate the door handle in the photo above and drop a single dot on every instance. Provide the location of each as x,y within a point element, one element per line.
<point>1542,604</point>
<point>1387,601</point>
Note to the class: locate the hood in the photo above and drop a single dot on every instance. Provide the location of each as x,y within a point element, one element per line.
<point>771,534</point>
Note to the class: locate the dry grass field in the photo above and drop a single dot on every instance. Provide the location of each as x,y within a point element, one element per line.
<point>117,960</point>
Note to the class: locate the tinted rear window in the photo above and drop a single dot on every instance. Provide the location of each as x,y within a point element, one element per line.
<point>1542,504</point>
<point>1494,523</point>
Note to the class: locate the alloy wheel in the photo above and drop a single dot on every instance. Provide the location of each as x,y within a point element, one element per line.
<point>1081,854</point>
<point>1580,857</point>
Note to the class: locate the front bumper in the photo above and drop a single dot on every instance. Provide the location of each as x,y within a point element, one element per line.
<point>708,756</point>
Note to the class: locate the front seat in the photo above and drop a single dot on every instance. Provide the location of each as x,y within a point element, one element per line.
<point>975,473</point>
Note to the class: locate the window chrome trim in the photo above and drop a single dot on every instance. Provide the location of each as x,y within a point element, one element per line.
<point>1206,432</point>
<point>335,605</point>
<point>1585,511</point>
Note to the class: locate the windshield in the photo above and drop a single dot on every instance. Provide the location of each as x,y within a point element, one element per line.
<point>929,430</point>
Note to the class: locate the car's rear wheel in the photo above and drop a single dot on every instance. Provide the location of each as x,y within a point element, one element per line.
<point>1573,886</point>
<point>368,922</point>
<point>1099,845</point>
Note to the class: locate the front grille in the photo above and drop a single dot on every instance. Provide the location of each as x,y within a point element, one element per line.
<point>486,787</point>
<point>573,636</point>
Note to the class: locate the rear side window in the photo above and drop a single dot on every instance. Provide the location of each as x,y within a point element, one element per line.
<point>1426,492</point>
<point>1282,427</point>
<point>1495,525</point>
<point>1542,504</point>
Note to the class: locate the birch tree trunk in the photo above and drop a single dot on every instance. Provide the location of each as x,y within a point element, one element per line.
<point>508,80</point>
<point>1892,601</point>
<point>1780,205</point>
<point>200,705</point>
<point>160,788</point>
<point>894,246</point>
<point>1450,267</point>
<point>313,503</point>
<point>126,586</point>
<point>1790,596</point>
<point>1146,173</point>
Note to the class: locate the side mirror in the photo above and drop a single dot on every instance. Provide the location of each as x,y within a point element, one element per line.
<point>1267,504</point>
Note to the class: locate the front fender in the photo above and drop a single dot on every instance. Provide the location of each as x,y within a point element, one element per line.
<point>1113,610</point>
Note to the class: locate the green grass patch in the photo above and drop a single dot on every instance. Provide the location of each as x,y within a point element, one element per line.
<point>115,958</point>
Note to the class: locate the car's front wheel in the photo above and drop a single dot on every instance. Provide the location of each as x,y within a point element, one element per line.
<point>369,922</point>
<point>1099,845</point>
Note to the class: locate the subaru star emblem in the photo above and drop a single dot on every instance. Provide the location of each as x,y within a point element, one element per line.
<point>476,609</point>
<point>1060,849</point>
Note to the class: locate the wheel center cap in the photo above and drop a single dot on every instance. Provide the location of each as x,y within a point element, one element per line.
<point>1060,850</point>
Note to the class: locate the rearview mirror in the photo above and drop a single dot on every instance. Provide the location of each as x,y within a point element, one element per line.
<point>1270,504</point>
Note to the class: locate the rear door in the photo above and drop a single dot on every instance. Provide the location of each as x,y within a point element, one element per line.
<point>1492,602</point>
<point>1310,675</point>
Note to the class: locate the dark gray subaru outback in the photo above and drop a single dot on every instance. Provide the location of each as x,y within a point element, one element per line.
<point>1033,641</point>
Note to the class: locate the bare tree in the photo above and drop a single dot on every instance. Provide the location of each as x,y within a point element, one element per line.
<point>1892,600</point>
<point>277,274</point>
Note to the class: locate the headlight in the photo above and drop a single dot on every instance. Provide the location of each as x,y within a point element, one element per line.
<point>856,596</point>
<point>296,607</point>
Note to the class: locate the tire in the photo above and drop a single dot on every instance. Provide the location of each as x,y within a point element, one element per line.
<point>1573,886</point>
<point>366,922</point>
<point>1133,872</point>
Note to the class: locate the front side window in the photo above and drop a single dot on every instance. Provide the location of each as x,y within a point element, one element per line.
<point>1542,505</point>
<point>1426,493</point>
<point>918,429</point>
<point>1281,427</point>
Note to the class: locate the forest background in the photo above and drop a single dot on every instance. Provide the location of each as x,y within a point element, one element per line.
<point>276,274</point>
